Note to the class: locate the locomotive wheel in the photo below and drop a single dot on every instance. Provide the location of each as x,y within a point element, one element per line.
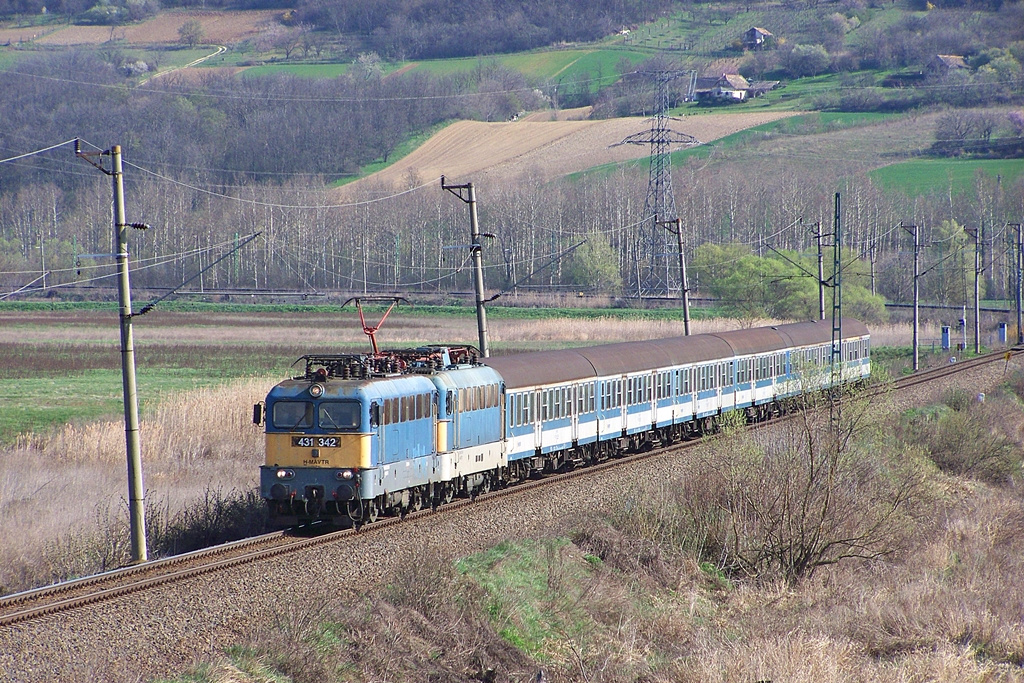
<point>372,512</point>
<point>415,500</point>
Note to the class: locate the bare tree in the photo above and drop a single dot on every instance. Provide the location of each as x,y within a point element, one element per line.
<point>190,33</point>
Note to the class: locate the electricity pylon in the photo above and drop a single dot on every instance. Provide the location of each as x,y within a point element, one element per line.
<point>652,271</point>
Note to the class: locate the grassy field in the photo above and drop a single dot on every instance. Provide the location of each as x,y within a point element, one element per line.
<point>301,70</point>
<point>802,127</point>
<point>925,176</point>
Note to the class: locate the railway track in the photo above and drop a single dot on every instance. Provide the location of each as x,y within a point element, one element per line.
<point>63,597</point>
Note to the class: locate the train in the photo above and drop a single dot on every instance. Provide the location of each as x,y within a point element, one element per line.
<point>362,435</point>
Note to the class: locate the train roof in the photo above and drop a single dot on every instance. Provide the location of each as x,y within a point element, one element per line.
<point>552,367</point>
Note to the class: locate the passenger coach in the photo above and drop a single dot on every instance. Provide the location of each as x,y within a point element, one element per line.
<point>577,405</point>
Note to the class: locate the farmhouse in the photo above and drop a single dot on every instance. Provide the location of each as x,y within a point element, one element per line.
<point>728,88</point>
<point>756,38</point>
<point>940,65</point>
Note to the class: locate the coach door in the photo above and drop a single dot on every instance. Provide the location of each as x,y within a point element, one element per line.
<point>538,419</point>
<point>574,412</point>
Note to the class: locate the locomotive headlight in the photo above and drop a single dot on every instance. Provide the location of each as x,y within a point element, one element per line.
<point>285,474</point>
<point>343,474</point>
<point>316,391</point>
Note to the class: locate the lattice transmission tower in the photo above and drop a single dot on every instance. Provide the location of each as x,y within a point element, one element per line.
<point>652,258</point>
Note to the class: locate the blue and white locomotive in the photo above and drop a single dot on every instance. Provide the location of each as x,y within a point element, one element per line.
<point>361,435</point>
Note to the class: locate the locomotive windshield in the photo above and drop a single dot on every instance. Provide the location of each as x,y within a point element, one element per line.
<point>331,415</point>
<point>293,414</point>
<point>342,415</point>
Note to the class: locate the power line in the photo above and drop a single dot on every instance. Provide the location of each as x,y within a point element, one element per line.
<point>273,205</point>
<point>38,151</point>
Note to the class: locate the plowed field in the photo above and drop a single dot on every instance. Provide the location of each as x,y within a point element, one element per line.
<point>472,150</point>
<point>220,28</point>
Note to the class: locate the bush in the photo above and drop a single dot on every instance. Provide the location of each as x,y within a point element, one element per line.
<point>973,439</point>
<point>216,518</point>
<point>811,493</point>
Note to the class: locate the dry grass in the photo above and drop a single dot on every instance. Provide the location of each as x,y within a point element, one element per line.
<point>73,482</point>
<point>542,149</point>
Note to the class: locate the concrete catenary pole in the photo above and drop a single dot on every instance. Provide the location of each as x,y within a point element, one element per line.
<point>975,234</point>
<point>1020,284</point>
<point>136,497</point>
<point>478,264</point>
<point>821,272</point>
<point>912,229</point>
<point>684,289</point>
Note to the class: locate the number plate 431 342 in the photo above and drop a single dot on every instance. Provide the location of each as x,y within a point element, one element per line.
<point>315,441</point>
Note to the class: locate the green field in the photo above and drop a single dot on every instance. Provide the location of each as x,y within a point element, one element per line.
<point>599,63</point>
<point>927,176</point>
<point>302,70</point>
<point>35,404</point>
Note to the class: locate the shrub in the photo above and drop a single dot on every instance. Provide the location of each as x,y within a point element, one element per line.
<point>810,493</point>
<point>974,439</point>
<point>216,518</point>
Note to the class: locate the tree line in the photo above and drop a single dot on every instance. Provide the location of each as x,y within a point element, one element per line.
<point>240,129</point>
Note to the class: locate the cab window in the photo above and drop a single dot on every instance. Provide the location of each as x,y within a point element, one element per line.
<point>293,414</point>
<point>339,415</point>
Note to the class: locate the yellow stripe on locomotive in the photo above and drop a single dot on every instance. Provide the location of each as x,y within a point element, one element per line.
<point>340,451</point>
